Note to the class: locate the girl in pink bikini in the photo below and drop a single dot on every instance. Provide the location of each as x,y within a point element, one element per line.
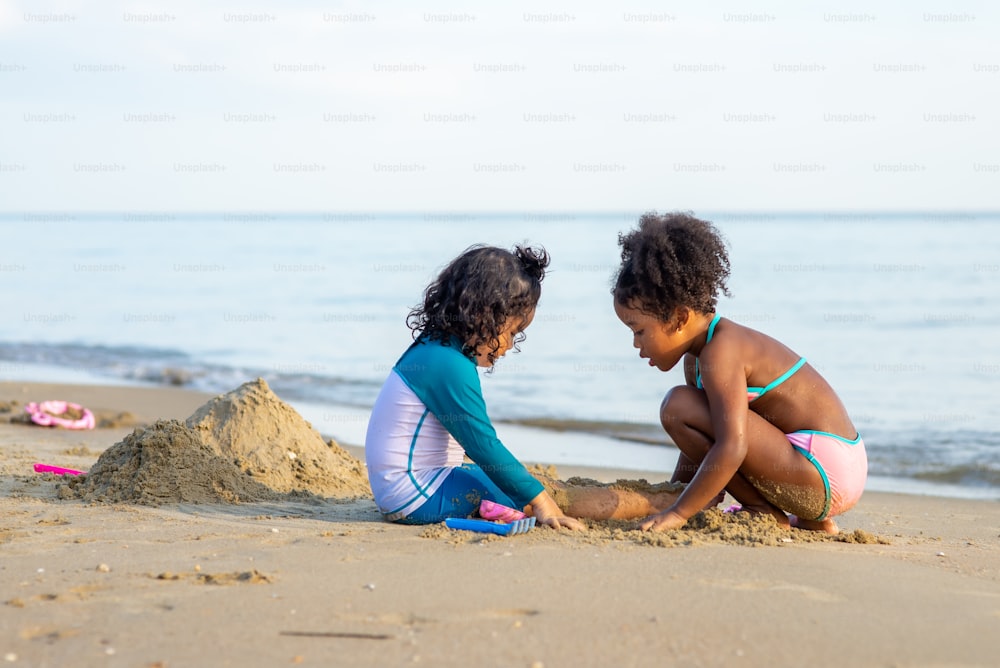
<point>754,419</point>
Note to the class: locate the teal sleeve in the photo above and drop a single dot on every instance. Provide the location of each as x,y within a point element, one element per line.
<point>447,382</point>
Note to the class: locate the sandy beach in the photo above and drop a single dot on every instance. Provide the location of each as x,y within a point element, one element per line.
<point>316,581</point>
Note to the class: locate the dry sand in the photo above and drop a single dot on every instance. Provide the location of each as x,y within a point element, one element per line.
<point>262,576</point>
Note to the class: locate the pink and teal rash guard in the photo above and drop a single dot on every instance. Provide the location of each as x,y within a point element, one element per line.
<point>429,414</point>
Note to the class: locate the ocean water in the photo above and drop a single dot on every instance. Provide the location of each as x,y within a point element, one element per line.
<point>900,312</point>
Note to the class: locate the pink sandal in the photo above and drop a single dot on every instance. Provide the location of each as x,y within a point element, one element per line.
<point>50,414</point>
<point>490,510</point>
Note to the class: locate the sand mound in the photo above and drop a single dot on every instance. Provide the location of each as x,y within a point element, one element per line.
<point>166,463</point>
<point>269,441</point>
<point>243,446</point>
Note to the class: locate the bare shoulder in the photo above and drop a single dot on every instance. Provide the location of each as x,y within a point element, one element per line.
<point>727,352</point>
<point>751,349</point>
<point>732,338</point>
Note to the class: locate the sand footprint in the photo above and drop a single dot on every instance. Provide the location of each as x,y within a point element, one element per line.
<point>811,593</point>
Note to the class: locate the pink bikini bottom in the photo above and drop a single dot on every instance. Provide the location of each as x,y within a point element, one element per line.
<point>843,464</point>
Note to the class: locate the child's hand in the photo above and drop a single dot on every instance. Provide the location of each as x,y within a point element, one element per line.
<point>664,521</point>
<point>548,513</point>
<point>562,523</point>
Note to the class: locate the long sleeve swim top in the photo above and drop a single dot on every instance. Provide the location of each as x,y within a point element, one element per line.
<point>429,413</point>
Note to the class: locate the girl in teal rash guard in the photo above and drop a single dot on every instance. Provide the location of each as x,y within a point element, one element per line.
<point>430,412</point>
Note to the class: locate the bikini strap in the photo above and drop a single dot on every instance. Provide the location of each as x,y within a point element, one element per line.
<point>711,327</point>
<point>711,332</point>
<point>782,378</point>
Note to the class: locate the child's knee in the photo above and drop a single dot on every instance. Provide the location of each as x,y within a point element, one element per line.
<point>679,402</point>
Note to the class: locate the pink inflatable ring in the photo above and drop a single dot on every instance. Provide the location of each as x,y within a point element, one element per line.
<point>60,414</point>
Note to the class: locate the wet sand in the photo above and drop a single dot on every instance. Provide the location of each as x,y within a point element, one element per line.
<point>912,581</point>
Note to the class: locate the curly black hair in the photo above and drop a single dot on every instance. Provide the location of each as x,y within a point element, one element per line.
<point>669,261</point>
<point>476,295</point>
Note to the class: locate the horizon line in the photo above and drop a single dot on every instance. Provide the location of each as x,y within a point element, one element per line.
<point>263,215</point>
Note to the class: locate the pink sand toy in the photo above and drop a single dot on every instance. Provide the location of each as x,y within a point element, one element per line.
<point>490,510</point>
<point>496,518</point>
<point>58,470</point>
<point>485,526</point>
<point>49,414</point>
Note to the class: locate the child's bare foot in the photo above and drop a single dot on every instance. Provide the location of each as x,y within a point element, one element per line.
<point>716,501</point>
<point>827,525</point>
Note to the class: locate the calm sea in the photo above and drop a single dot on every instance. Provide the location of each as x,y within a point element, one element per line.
<point>900,312</point>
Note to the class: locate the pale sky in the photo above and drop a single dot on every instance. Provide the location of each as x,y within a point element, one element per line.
<point>474,106</point>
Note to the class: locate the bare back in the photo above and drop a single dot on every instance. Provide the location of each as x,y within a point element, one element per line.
<point>803,400</point>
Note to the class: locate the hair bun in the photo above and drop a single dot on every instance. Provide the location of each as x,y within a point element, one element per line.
<point>533,260</point>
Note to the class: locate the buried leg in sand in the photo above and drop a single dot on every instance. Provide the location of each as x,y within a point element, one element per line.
<point>623,500</point>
